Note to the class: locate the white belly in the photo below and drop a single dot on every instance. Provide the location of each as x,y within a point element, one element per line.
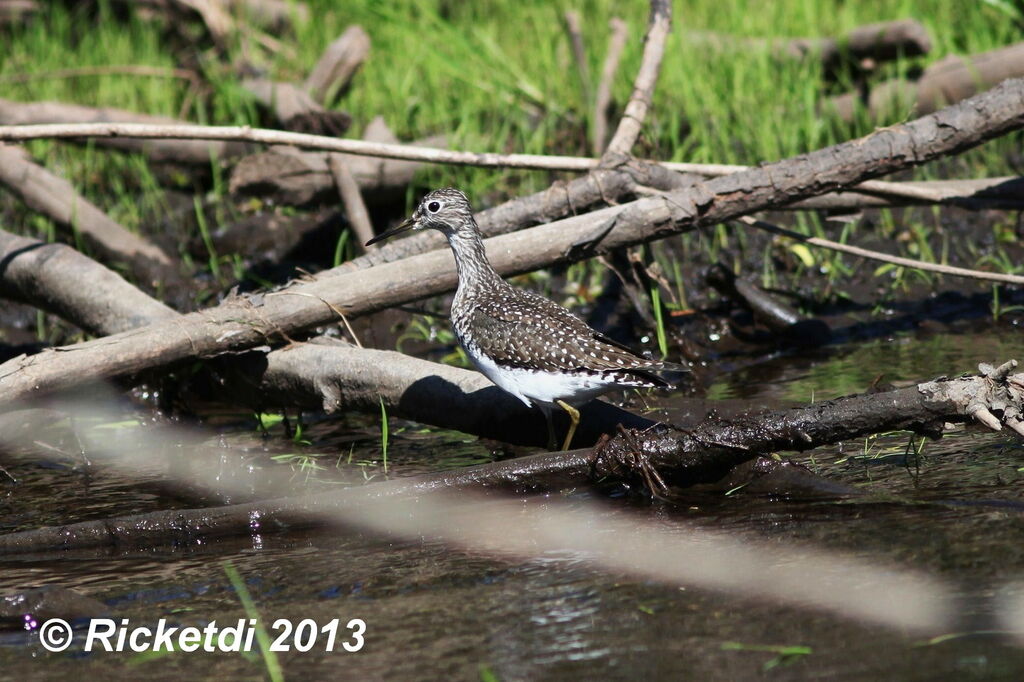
<point>533,386</point>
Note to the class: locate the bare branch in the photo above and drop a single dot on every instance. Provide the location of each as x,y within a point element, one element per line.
<point>659,25</point>
<point>55,198</point>
<point>884,257</point>
<point>603,100</point>
<point>573,25</point>
<point>352,198</point>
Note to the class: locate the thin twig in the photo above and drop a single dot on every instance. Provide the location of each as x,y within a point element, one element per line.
<point>883,257</point>
<point>573,26</point>
<point>399,151</point>
<point>602,101</point>
<point>352,198</point>
<point>647,77</point>
<point>112,70</point>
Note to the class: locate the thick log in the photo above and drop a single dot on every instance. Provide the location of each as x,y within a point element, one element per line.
<point>190,152</point>
<point>62,281</point>
<point>339,63</point>
<point>55,198</point>
<point>241,323</point>
<point>945,82</point>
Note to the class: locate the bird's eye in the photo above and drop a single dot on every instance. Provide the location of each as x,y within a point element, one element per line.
<point>434,207</point>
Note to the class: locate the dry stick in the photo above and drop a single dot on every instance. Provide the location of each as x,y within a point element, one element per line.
<point>603,99</point>
<point>883,257</point>
<point>55,198</point>
<point>700,453</point>
<point>187,151</point>
<point>658,28</point>
<point>114,69</point>
<point>241,323</point>
<point>574,27</point>
<point>352,198</point>
<point>1006,192</point>
<point>194,133</point>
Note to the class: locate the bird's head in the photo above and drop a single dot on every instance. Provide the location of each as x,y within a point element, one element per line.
<point>446,210</point>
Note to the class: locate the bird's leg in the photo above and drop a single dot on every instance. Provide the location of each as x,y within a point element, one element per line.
<point>551,426</point>
<point>574,420</point>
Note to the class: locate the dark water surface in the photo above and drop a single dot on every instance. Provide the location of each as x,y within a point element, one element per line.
<point>954,512</point>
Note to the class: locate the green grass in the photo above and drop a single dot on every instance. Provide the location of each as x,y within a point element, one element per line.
<point>464,69</point>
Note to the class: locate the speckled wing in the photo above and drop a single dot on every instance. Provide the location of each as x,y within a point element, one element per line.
<point>527,330</point>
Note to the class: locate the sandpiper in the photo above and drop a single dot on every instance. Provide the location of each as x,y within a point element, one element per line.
<point>529,346</point>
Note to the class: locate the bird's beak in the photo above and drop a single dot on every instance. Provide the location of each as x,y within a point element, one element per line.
<point>404,226</point>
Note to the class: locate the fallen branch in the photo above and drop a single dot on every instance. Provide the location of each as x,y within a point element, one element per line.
<point>107,70</point>
<point>23,115</point>
<point>884,257</point>
<point>352,199</point>
<point>702,453</point>
<point>603,99</point>
<point>264,169</point>
<point>285,175</point>
<point>945,82</point>
<point>883,41</point>
<point>241,323</point>
<point>658,27</point>
<point>339,63</point>
<point>55,198</point>
<point>17,11</point>
<point>574,27</point>
<point>60,280</point>
<point>295,110</point>
<point>708,450</point>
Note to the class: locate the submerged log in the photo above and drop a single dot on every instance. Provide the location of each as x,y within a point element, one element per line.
<point>241,323</point>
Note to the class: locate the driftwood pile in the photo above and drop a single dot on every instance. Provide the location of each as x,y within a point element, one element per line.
<point>259,348</point>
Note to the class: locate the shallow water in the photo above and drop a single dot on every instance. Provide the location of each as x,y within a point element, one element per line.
<point>954,512</point>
